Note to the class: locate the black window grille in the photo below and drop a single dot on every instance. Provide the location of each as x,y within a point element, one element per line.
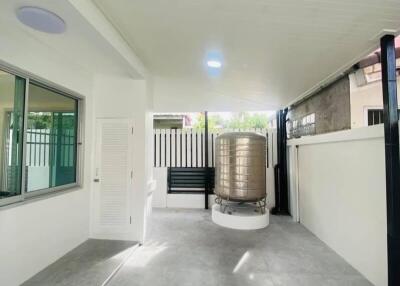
<point>375,116</point>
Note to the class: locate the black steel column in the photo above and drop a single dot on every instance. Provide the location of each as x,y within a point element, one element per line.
<point>390,116</point>
<point>207,180</point>
<point>281,181</point>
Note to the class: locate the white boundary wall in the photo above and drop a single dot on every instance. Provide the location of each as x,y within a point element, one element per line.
<point>160,197</point>
<point>337,187</point>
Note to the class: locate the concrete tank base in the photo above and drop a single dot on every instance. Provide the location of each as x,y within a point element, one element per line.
<point>244,218</point>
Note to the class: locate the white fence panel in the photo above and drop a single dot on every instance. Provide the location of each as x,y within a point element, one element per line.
<point>186,147</point>
<point>184,142</point>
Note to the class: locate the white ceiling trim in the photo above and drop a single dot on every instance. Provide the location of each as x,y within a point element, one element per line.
<point>99,22</point>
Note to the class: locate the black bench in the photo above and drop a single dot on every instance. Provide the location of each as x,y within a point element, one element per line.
<point>188,180</point>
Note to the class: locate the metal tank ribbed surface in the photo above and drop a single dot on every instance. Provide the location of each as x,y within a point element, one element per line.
<point>240,166</point>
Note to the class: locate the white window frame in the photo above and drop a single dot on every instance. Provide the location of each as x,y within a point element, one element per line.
<point>366,109</point>
<point>29,78</point>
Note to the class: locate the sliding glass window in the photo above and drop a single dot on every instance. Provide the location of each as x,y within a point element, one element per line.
<point>51,139</point>
<point>38,139</point>
<point>12,98</point>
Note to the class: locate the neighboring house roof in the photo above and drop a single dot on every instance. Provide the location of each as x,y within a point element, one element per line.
<point>375,57</point>
<point>169,116</point>
<point>184,117</point>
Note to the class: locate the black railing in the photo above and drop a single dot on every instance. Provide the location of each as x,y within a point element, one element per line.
<point>42,147</point>
<point>188,180</point>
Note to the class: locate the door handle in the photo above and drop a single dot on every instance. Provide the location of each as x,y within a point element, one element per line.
<point>96,180</point>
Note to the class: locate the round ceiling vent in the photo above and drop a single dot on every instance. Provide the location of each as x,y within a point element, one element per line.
<point>41,19</point>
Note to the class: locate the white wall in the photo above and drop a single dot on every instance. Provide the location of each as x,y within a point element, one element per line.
<point>123,97</point>
<point>342,199</point>
<point>363,98</point>
<point>36,233</point>
<point>160,192</point>
<point>161,199</point>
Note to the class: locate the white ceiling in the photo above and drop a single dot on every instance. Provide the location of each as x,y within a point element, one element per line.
<point>274,50</point>
<point>81,45</point>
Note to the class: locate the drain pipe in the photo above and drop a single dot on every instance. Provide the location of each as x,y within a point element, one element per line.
<point>280,169</point>
<point>207,171</point>
<point>391,127</point>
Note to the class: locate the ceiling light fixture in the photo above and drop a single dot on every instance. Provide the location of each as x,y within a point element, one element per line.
<point>214,64</point>
<point>41,19</point>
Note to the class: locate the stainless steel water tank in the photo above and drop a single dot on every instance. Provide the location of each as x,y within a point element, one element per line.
<point>240,166</point>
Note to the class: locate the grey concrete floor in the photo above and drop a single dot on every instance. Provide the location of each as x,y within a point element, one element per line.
<point>184,248</point>
<point>88,265</point>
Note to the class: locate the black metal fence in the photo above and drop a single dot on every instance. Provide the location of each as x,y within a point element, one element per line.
<point>44,146</point>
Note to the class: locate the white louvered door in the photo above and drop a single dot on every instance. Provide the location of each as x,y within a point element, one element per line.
<point>113,179</point>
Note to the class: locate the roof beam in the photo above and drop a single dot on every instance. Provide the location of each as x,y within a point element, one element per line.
<point>100,23</point>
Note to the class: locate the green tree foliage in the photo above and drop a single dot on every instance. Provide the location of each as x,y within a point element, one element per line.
<point>40,120</point>
<point>215,121</point>
<point>241,120</point>
<point>49,120</point>
<point>244,120</point>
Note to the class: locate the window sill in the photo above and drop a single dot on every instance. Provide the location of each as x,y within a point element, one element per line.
<point>32,198</point>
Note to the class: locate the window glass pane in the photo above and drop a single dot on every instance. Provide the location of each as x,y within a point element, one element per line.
<point>12,94</point>
<point>51,139</point>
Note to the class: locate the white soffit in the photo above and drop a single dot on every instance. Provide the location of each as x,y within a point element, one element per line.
<point>274,51</point>
<point>80,45</point>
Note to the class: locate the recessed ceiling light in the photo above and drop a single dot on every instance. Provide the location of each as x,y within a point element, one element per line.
<point>41,19</point>
<point>214,64</point>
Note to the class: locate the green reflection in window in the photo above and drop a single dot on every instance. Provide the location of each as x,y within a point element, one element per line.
<point>51,139</point>
<point>12,97</point>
